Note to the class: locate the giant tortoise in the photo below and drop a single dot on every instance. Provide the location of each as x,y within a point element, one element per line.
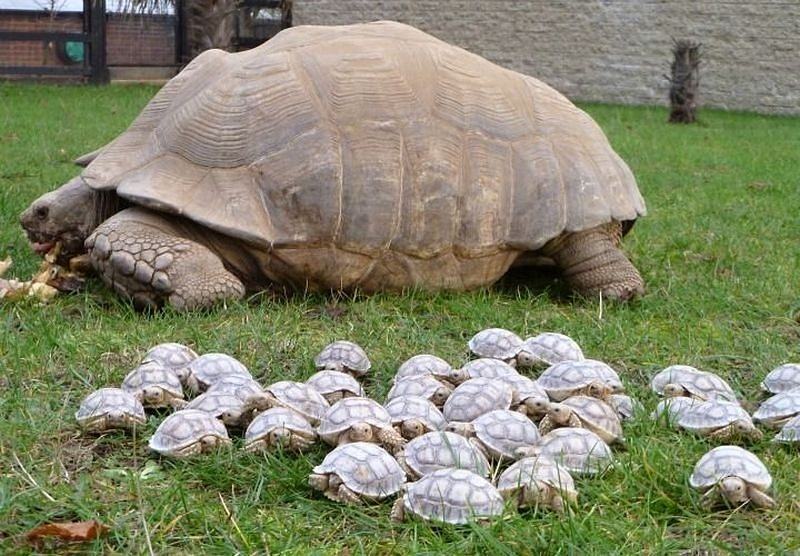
<point>370,156</point>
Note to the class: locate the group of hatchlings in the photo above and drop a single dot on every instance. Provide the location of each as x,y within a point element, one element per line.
<point>448,430</point>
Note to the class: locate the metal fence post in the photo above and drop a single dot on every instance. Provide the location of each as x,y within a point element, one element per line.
<point>97,50</point>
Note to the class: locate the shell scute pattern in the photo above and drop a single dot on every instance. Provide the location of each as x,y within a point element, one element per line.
<point>708,416</point>
<point>564,379</point>
<point>424,364</point>
<point>343,356</point>
<point>778,408</point>
<point>186,428</point>
<point>674,374</point>
<point>525,473</point>
<point>503,431</point>
<point>344,413</point>
<point>782,378</point>
<point>414,407</point>
<point>596,414</point>
<point>475,397</point>
<point>277,417</point>
<point>579,450</point>
<point>438,450</point>
<point>672,408</point>
<point>147,377</point>
<point>174,356</point>
<point>489,368</point>
<point>219,404</point>
<point>790,432</point>
<point>725,461</point>
<point>551,348</point>
<point>423,386</point>
<point>110,408</point>
<point>495,343</point>
<point>364,468</point>
<point>329,382</point>
<point>300,397</point>
<point>211,367</point>
<point>453,496</point>
<point>241,386</point>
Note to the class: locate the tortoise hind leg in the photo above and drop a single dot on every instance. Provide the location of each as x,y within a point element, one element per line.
<point>592,263</point>
<point>147,258</point>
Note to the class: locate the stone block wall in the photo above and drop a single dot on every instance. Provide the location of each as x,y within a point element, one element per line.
<point>611,50</point>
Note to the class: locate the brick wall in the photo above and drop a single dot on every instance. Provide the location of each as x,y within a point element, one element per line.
<point>130,40</point>
<point>611,50</point>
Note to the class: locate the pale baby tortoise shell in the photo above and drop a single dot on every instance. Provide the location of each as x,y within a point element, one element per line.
<point>424,386</point>
<point>297,396</point>
<point>777,410</point>
<point>211,367</point>
<point>475,397</point>
<point>549,348</point>
<point>437,450</point>
<point>243,387</point>
<point>790,432</point>
<point>581,451</point>
<point>108,409</point>
<point>224,406</point>
<point>343,356</point>
<point>538,481</point>
<point>496,343</point>
<point>279,428</point>
<point>188,432</point>
<point>485,368</point>
<point>683,380</point>
<point>155,386</point>
<point>358,419</point>
<point>356,472</point>
<point>335,385</point>
<point>782,379</point>
<point>625,406</point>
<point>426,364</point>
<point>586,412</point>
<point>499,433</point>
<point>173,356</point>
<point>414,416</point>
<point>450,495</point>
<point>572,378</point>
<point>719,420</point>
<point>670,409</point>
<point>528,397</point>
<point>733,474</point>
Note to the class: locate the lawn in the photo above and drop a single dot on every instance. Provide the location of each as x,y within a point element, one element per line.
<point>719,252</point>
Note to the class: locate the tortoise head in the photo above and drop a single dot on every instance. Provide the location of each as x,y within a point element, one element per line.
<point>67,215</point>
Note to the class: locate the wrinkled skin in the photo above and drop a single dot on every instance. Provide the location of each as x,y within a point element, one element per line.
<point>67,215</point>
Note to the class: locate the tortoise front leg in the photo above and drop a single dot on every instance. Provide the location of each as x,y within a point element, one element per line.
<point>141,256</point>
<point>592,263</point>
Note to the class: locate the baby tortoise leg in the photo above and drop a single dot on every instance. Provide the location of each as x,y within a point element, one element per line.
<point>592,263</point>
<point>759,498</point>
<point>139,254</point>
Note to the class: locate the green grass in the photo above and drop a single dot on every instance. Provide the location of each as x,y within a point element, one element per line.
<point>719,252</point>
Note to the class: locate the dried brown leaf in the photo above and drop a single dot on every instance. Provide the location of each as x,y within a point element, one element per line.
<point>79,531</point>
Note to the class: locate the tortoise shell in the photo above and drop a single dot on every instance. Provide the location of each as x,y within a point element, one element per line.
<point>425,364</point>
<point>725,461</point>
<point>185,429</point>
<point>109,408</point>
<point>550,348</point>
<point>343,356</point>
<point>364,468</point>
<point>436,163</point>
<point>782,379</point>
<point>525,473</point>
<point>496,343</point>
<point>344,413</point>
<point>453,496</point>
<point>437,450</point>
<point>475,397</point>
